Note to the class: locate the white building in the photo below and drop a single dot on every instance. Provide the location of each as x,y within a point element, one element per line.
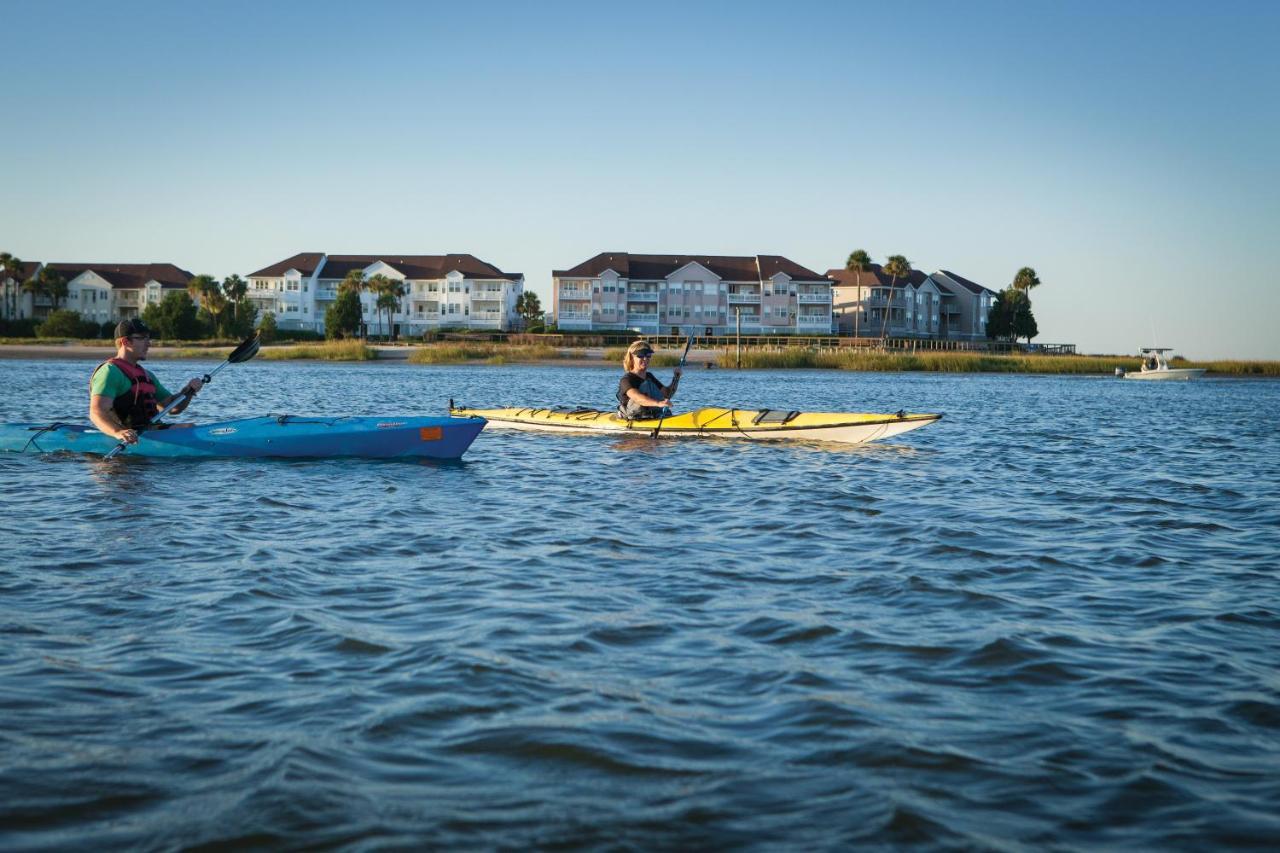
<point>700,294</point>
<point>102,292</point>
<point>442,291</point>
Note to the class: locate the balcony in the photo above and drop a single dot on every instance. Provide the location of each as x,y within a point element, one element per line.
<point>326,293</point>
<point>638,317</point>
<point>815,298</point>
<point>642,295</point>
<point>744,299</point>
<point>574,315</point>
<point>575,293</point>
<point>809,321</point>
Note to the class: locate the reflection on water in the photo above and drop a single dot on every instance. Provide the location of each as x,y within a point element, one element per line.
<point>1026,626</point>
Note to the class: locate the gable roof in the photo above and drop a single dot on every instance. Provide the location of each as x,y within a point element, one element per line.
<point>28,270</point>
<point>126,276</point>
<point>303,262</point>
<point>875,276</point>
<point>971,286</point>
<point>414,266</point>
<point>655,267</point>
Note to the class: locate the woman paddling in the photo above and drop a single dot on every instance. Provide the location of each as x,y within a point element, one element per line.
<point>641,396</point>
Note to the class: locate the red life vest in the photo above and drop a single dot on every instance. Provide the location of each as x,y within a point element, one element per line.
<point>137,406</point>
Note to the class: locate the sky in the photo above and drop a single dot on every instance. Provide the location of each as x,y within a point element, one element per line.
<point>1128,151</point>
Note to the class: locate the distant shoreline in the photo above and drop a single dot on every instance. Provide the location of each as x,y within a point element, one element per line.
<point>861,361</point>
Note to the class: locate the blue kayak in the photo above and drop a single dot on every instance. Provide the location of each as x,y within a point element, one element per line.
<point>273,435</point>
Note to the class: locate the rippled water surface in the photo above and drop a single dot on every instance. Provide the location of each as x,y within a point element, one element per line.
<point>1051,620</point>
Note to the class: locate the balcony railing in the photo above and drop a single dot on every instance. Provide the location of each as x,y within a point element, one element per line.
<point>642,295</point>
<point>575,293</point>
<point>811,298</point>
<point>642,318</point>
<point>575,315</point>
<point>744,299</point>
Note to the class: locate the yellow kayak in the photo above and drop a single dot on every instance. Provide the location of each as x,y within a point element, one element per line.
<point>754,424</point>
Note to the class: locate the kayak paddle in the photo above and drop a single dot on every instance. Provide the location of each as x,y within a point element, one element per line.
<point>683,358</point>
<point>248,349</point>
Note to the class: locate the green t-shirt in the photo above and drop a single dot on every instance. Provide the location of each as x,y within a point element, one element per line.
<point>112,382</point>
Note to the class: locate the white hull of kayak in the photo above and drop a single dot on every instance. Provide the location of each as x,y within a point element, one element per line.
<point>711,423</point>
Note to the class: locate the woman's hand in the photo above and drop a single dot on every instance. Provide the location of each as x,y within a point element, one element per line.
<point>128,436</point>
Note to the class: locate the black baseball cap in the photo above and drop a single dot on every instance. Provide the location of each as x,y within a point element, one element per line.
<point>644,350</point>
<point>132,326</point>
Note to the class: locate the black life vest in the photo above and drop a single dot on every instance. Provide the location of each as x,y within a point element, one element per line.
<point>137,406</point>
<point>633,411</point>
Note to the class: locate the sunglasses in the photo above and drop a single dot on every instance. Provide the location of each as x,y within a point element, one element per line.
<point>139,337</point>
<point>644,355</point>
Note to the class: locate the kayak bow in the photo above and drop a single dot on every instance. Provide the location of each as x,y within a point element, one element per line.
<point>273,435</point>
<point>753,424</point>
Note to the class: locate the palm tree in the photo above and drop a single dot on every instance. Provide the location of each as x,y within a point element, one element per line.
<point>897,266</point>
<point>389,292</point>
<point>858,263</point>
<point>215,302</point>
<point>378,286</point>
<point>532,309</point>
<point>52,285</point>
<point>198,286</point>
<point>236,289</point>
<point>11,271</point>
<point>1026,280</point>
<point>354,282</point>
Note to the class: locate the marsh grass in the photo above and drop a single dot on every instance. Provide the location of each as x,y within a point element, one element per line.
<point>488,353</point>
<point>961,362</point>
<point>348,350</point>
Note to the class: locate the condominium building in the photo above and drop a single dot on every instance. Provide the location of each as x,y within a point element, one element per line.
<point>102,292</point>
<point>702,294</point>
<point>941,305</point>
<point>15,303</point>
<point>441,291</point>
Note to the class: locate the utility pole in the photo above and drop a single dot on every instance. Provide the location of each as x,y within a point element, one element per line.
<point>737,318</point>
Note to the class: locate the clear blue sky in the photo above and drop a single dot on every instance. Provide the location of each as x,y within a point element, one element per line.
<point>1130,152</point>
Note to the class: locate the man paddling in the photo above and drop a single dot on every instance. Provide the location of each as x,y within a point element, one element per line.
<point>124,396</point>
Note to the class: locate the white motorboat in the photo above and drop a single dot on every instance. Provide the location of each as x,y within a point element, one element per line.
<point>1155,365</point>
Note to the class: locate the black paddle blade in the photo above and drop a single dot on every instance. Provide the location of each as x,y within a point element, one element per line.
<point>248,349</point>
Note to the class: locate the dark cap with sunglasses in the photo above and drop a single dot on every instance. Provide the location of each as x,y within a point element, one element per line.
<point>132,326</point>
<point>643,352</point>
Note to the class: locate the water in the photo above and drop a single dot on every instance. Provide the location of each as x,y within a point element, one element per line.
<point>1051,620</point>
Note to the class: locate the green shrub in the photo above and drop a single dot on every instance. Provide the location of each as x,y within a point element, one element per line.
<point>64,323</point>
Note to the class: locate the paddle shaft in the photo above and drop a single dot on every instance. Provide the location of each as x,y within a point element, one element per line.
<point>683,358</point>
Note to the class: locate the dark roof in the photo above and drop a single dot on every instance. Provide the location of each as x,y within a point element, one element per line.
<point>127,276</point>
<point>654,267</point>
<point>875,276</point>
<point>28,269</point>
<point>303,262</point>
<point>412,266</point>
<point>971,286</point>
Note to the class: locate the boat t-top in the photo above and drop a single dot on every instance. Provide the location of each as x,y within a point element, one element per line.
<point>1155,365</point>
